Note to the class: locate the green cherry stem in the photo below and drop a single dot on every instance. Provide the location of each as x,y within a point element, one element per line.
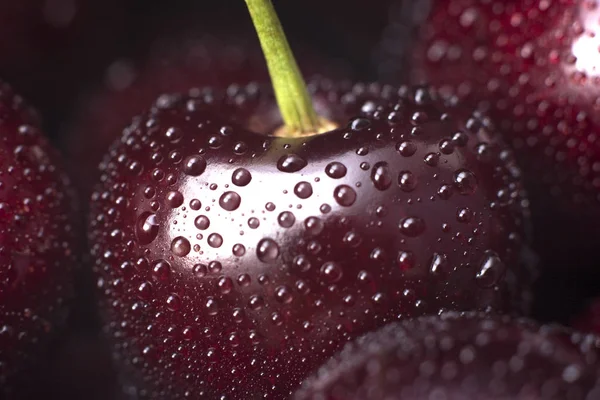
<point>294,101</point>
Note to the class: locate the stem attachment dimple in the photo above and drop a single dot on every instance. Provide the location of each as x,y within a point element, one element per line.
<point>292,96</point>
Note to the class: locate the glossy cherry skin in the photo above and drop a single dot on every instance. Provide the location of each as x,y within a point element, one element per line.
<point>232,263</point>
<point>173,65</point>
<point>37,240</point>
<point>458,356</point>
<point>533,66</point>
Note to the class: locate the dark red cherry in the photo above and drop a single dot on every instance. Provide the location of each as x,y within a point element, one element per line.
<point>37,241</point>
<point>533,66</point>
<point>461,356</point>
<point>232,263</point>
<point>173,65</point>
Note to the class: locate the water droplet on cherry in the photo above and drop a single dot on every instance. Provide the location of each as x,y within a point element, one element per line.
<point>406,148</point>
<point>358,124</point>
<point>465,181</point>
<point>405,260</point>
<point>241,177</point>
<point>331,272</point>
<point>291,163</point>
<point>407,181</point>
<point>174,199</point>
<point>194,165</point>
<point>381,176</point>
<point>180,246</point>
<point>314,226</point>
<point>238,250</point>
<point>215,240</point>
<point>335,170</point>
<point>303,190</point>
<point>286,219</point>
<point>491,270</point>
<point>146,228</point>
<point>267,250</point>
<point>283,294</point>
<point>230,201</point>
<point>412,226</point>
<point>202,222</point>
<point>344,195</point>
<point>439,264</point>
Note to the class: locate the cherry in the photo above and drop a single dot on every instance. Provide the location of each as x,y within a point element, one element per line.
<point>235,255</point>
<point>532,65</point>
<point>461,356</point>
<point>215,242</point>
<point>173,65</point>
<point>37,241</point>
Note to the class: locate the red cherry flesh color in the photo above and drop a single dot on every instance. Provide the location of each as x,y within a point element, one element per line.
<point>533,67</point>
<point>233,263</point>
<point>37,242</point>
<point>462,356</point>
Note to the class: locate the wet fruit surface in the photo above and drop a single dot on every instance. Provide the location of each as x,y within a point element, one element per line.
<point>533,65</point>
<point>462,356</point>
<point>231,263</point>
<point>37,246</point>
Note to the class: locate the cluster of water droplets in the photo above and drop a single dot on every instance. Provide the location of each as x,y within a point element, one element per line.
<point>196,238</point>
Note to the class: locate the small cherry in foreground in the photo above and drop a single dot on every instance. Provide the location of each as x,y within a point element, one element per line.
<point>37,241</point>
<point>533,67</point>
<point>235,255</point>
<point>458,356</point>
